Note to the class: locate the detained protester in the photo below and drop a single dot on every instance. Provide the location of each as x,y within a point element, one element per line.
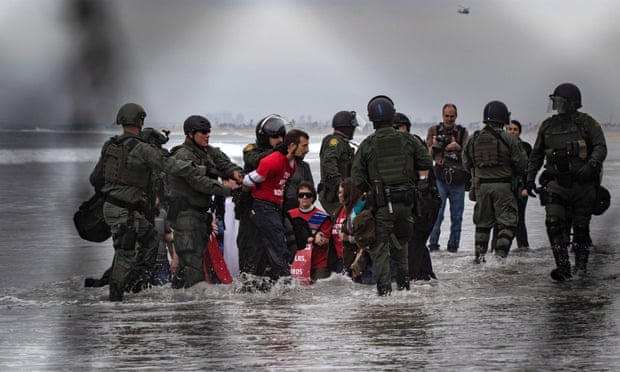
<point>271,256</point>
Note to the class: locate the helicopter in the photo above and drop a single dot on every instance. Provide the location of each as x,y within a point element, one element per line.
<point>462,10</point>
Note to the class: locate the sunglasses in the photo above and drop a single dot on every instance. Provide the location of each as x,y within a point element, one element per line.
<point>303,195</point>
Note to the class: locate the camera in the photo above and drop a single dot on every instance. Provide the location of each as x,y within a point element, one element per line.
<point>443,140</point>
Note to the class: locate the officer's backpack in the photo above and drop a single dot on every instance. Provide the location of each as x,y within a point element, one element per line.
<point>89,220</point>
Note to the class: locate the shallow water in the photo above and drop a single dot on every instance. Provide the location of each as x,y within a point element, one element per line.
<point>508,316</point>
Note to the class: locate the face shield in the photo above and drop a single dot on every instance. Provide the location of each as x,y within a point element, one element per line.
<point>559,104</point>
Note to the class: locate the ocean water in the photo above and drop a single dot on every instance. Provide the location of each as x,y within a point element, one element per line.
<point>497,316</point>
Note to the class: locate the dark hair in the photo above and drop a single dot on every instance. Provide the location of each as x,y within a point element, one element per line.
<point>516,122</point>
<point>350,193</point>
<point>293,136</point>
<point>307,185</point>
<point>449,105</point>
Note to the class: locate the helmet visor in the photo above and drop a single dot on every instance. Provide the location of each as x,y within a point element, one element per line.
<point>559,104</point>
<point>274,126</point>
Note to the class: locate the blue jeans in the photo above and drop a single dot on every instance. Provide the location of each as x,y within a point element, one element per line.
<point>456,195</point>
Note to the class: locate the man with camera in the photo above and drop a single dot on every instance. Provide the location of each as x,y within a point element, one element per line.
<point>445,141</point>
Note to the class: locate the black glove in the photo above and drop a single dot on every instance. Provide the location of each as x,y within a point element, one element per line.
<point>424,186</point>
<point>531,188</point>
<point>586,172</point>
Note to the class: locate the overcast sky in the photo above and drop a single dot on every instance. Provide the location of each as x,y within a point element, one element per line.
<point>306,57</point>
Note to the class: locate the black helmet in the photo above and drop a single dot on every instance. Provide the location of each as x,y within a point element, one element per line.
<point>270,126</point>
<point>566,98</point>
<point>196,123</point>
<point>155,137</point>
<point>345,122</point>
<point>496,112</point>
<point>130,114</point>
<point>400,119</point>
<point>381,110</point>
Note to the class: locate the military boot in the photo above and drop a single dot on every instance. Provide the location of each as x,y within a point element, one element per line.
<point>562,263</point>
<point>480,252</point>
<point>384,290</point>
<point>581,259</point>
<point>402,281</point>
<point>116,292</point>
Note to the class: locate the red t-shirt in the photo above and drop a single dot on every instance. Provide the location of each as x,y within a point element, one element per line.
<point>337,228</point>
<point>276,169</point>
<point>319,253</point>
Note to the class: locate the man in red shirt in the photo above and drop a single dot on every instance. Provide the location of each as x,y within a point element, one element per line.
<point>267,186</point>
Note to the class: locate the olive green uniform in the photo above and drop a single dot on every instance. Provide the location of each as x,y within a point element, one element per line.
<point>336,156</point>
<point>569,143</point>
<point>122,173</point>
<point>192,209</point>
<point>386,166</point>
<point>495,161</point>
<point>246,236</point>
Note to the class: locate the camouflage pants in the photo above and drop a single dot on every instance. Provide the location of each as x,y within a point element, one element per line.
<point>496,208</point>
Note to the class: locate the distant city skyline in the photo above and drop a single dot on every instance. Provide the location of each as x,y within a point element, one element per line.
<point>78,61</point>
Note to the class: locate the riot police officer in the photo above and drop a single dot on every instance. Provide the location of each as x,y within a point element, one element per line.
<point>494,159</point>
<point>190,213</point>
<point>123,174</point>
<point>336,156</point>
<point>387,166</point>
<point>573,146</point>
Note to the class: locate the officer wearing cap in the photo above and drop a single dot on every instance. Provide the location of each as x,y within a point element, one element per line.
<point>494,158</point>
<point>336,156</point>
<point>191,209</point>
<point>123,174</point>
<point>572,145</point>
<point>387,166</point>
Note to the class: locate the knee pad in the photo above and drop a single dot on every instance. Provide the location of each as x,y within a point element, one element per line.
<point>582,234</point>
<point>557,232</point>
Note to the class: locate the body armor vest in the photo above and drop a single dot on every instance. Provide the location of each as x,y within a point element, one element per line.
<point>566,146</point>
<point>487,150</point>
<point>178,185</point>
<point>391,165</point>
<point>115,170</point>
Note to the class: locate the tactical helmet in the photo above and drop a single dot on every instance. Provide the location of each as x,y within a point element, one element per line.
<point>345,122</point>
<point>130,114</point>
<point>345,119</point>
<point>155,137</point>
<point>566,98</point>
<point>496,112</point>
<point>270,126</point>
<point>196,123</point>
<point>401,119</point>
<point>381,110</point>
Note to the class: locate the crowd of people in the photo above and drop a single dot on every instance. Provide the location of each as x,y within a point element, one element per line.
<point>382,202</point>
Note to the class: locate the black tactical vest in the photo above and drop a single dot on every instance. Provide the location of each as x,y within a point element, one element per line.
<point>566,145</point>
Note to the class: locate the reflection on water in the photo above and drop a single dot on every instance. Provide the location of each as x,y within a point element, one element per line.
<point>488,319</point>
<point>475,317</point>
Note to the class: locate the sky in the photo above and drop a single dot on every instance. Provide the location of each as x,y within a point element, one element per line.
<point>302,58</point>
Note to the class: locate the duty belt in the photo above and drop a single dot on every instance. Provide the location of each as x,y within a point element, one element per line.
<point>138,206</point>
<point>496,180</point>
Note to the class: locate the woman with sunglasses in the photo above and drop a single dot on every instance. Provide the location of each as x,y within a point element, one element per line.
<point>320,226</point>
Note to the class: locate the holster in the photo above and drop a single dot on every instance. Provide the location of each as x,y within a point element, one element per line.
<point>176,205</point>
